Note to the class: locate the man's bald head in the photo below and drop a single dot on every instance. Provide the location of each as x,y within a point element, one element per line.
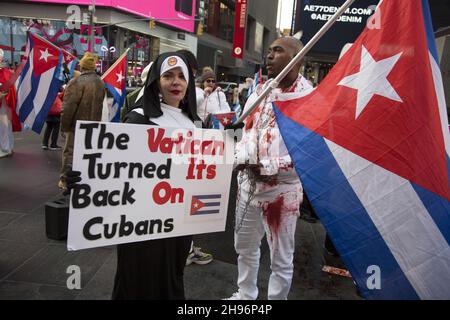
<point>293,43</point>
<point>280,53</point>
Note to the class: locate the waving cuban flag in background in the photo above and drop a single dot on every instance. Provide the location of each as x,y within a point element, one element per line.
<point>115,81</point>
<point>39,82</point>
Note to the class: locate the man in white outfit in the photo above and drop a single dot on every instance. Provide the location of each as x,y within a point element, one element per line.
<point>270,191</point>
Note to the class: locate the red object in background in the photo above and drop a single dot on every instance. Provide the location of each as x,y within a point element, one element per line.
<point>240,19</point>
<point>10,99</point>
<point>56,108</point>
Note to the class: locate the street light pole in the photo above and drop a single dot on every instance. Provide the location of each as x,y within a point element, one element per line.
<point>92,35</point>
<point>215,60</point>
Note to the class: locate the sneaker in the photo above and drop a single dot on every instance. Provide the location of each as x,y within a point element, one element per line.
<point>45,147</point>
<point>198,257</point>
<point>62,184</point>
<point>55,148</point>
<point>235,296</point>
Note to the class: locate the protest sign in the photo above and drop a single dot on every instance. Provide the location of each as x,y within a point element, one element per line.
<point>147,182</point>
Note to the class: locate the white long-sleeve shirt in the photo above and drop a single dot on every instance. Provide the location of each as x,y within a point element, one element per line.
<point>215,102</point>
<point>262,144</point>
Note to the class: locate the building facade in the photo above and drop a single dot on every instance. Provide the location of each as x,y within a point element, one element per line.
<point>215,45</point>
<point>116,29</point>
<point>310,15</point>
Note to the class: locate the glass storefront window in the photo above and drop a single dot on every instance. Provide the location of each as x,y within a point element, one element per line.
<point>110,42</point>
<point>226,23</point>
<point>139,56</point>
<point>14,36</point>
<point>219,19</point>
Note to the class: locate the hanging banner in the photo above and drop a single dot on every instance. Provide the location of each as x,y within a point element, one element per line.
<point>146,182</point>
<point>239,29</point>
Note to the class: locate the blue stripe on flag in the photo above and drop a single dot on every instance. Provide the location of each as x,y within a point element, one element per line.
<point>25,69</point>
<point>429,30</point>
<point>212,204</point>
<point>438,208</point>
<point>206,212</point>
<point>28,104</point>
<point>118,99</point>
<point>209,196</point>
<point>39,121</point>
<point>113,91</point>
<point>72,64</point>
<point>342,213</point>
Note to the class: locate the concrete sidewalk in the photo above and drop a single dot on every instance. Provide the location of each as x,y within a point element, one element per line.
<point>34,267</point>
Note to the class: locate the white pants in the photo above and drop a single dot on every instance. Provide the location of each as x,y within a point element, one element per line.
<point>6,133</point>
<point>250,229</point>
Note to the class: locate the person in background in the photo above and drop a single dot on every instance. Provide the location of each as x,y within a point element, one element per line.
<point>9,121</point>
<point>196,255</point>
<point>244,94</point>
<point>83,100</point>
<point>53,124</point>
<point>214,99</point>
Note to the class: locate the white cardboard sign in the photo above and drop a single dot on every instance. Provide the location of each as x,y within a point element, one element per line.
<point>144,182</point>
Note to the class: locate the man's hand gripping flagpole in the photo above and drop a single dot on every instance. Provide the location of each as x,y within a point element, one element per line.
<point>274,83</point>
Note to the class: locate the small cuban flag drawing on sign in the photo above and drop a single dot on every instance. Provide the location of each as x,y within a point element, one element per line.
<point>205,204</point>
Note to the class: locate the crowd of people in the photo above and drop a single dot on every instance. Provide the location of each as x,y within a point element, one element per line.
<point>174,94</point>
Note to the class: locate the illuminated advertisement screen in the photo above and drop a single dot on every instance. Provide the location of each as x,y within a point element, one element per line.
<point>179,13</point>
<point>313,14</point>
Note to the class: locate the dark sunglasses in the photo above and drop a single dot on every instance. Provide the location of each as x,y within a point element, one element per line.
<point>210,81</point>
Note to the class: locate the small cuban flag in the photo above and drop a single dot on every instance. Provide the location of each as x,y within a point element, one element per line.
<point>71,62</point>
<point>205,204</point>
<point>221,120</point>
<point>115,81</point>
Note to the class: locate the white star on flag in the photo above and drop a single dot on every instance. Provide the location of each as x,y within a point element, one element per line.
<point>45,55</point>
<point>120,77</point>
<point>372,79</point>
<point>195,205</point>
<point>225,120</point>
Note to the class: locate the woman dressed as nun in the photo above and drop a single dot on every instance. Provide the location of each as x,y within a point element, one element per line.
<point>154,269</point>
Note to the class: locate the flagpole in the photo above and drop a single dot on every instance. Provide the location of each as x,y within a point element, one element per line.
<point>274,83</point>
<point>115,63</point>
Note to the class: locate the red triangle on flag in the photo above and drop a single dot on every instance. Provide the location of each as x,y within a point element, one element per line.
<point>115,76</point>
<point>67,57</point>
<point>196,205</point>
<point>45,55</point>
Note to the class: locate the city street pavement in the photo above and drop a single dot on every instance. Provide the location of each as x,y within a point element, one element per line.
<point>34,267</point>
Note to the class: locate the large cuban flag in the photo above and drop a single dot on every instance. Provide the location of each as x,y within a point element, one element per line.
<point>371,146</point>
<point>115,81</point>
<point>39,82</point>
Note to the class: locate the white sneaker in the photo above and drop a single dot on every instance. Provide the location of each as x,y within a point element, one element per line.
<point>198,257</point>
<point>235,296</point>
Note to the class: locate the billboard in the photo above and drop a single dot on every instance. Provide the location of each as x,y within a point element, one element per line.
<point>311,15</point>
<point>179,13</point>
